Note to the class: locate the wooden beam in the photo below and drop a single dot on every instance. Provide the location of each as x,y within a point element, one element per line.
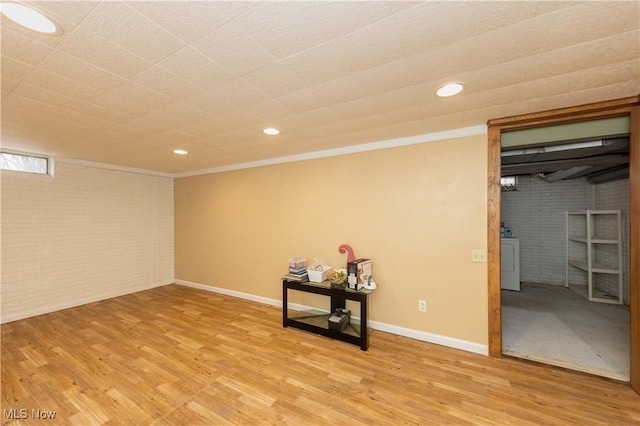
<point>493,242</point>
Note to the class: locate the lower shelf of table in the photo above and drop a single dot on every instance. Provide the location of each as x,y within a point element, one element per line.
<point>318,322</point>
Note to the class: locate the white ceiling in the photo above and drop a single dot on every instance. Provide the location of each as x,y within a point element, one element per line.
<point>128,82</point>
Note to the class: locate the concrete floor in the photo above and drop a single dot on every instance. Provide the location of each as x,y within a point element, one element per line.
<point>555,325</point>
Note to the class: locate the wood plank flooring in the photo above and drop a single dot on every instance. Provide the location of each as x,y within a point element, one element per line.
<point>179,356</point>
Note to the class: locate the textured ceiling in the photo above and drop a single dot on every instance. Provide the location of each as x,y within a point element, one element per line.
<point>128,82</point>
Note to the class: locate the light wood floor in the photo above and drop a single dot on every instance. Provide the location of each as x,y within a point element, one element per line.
<point>179,356</point>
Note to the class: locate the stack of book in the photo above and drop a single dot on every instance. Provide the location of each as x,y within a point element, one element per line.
<point>297,270</point>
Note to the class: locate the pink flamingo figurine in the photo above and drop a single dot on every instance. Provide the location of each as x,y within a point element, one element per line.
<point>346,248</point>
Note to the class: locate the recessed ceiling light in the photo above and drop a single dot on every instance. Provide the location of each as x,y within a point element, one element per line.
<point>449,90</point>
<point>28,18</point>
<point>180,152</point>
<point>271,131</point>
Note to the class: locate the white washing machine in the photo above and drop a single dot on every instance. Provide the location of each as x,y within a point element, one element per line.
<point>510,264</point>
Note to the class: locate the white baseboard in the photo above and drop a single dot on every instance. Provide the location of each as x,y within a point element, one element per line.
<point>449,342</point>
<point>227,292</point>
<point>76,302</point>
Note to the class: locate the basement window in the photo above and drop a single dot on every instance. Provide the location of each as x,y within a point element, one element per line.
<point>509,183</point>
<point>26,163</point>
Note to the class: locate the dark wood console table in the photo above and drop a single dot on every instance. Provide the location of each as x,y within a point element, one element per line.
<point>356,332</point>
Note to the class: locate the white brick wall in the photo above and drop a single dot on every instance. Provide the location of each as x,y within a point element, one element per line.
<point>536,214</point>
<point>84,235</point>
<point>614,196</point>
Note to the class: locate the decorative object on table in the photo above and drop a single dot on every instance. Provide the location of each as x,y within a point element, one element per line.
<point>358,273</point>
<point>370,284</point>
<point>297,262</point>
<point>318,271</point>
<point>346,248</point>
<point>297,270</point>
<point>337,277</point>
<point>339,319</point>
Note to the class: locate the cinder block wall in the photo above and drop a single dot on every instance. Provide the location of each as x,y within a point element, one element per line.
<point>84,235</point>
<point>614,196</point>
<point>536,214</point>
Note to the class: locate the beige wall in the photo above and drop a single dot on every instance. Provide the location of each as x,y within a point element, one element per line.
<point>417,211</point>
<point>84,235</point>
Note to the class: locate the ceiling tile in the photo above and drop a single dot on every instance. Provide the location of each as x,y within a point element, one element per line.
<point>369,47</point>
<point>433,24</point>
<point>384,78</point>
<point>340,90</point>
<point>355,109</point>
<point>301,101</point>
<point>91,48</point>
<point>89,120</point>
<point>224,45</point>
<point>282,28</point>
<point>317,65</point>
<point>69,11</point>
<point>210,103</point>
<point>75,69</point>
<point>343,17</point>
<point>25,104</point>
<point>7,85</point>
<point>21,48</point>
<point>185,112</point>
<point>197,68</point>
<point>168,84</point>
<point>46,96</point>
<point>186,23</point>
<point>394,99</point>
<point>132,99</point>
<point>23,119</point>
<point>127,28</point>
<point>67,86</point>
<point>274,80</point>
<point>411,128</point>
<point>233,9</point>
<point>205,130</point>
<point>16,70</point>
<point>241,93</point>
<point>270,109</point>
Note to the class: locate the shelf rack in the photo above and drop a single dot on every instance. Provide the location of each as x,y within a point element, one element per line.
<point>592,241</point>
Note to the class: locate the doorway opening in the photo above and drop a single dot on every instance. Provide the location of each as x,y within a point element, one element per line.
<point>625,107</point>
<point>555,309</point>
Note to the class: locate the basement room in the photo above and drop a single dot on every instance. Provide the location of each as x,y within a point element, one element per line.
<point>306,212</point>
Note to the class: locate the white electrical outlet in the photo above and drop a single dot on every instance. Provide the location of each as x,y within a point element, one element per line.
<point>422,305</point>
<point>479,256</point>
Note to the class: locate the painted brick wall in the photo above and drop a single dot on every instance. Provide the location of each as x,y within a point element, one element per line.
<point>86,234</point>
<point>614,196</point>
<point>536,214</point>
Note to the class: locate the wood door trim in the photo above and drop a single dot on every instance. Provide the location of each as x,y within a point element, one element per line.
<point>493,243</point>
<point>634,247</point>
<point>617,107</point>
<point>567,115</point>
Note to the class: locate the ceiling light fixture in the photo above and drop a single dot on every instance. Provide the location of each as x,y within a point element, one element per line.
<point>449,89</point>
<point>180,152</point>
<point>271,131</point>
<point>28,18</point>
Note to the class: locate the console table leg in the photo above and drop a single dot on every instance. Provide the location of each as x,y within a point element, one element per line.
<point>364,332</point>
<point>285,306</point>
